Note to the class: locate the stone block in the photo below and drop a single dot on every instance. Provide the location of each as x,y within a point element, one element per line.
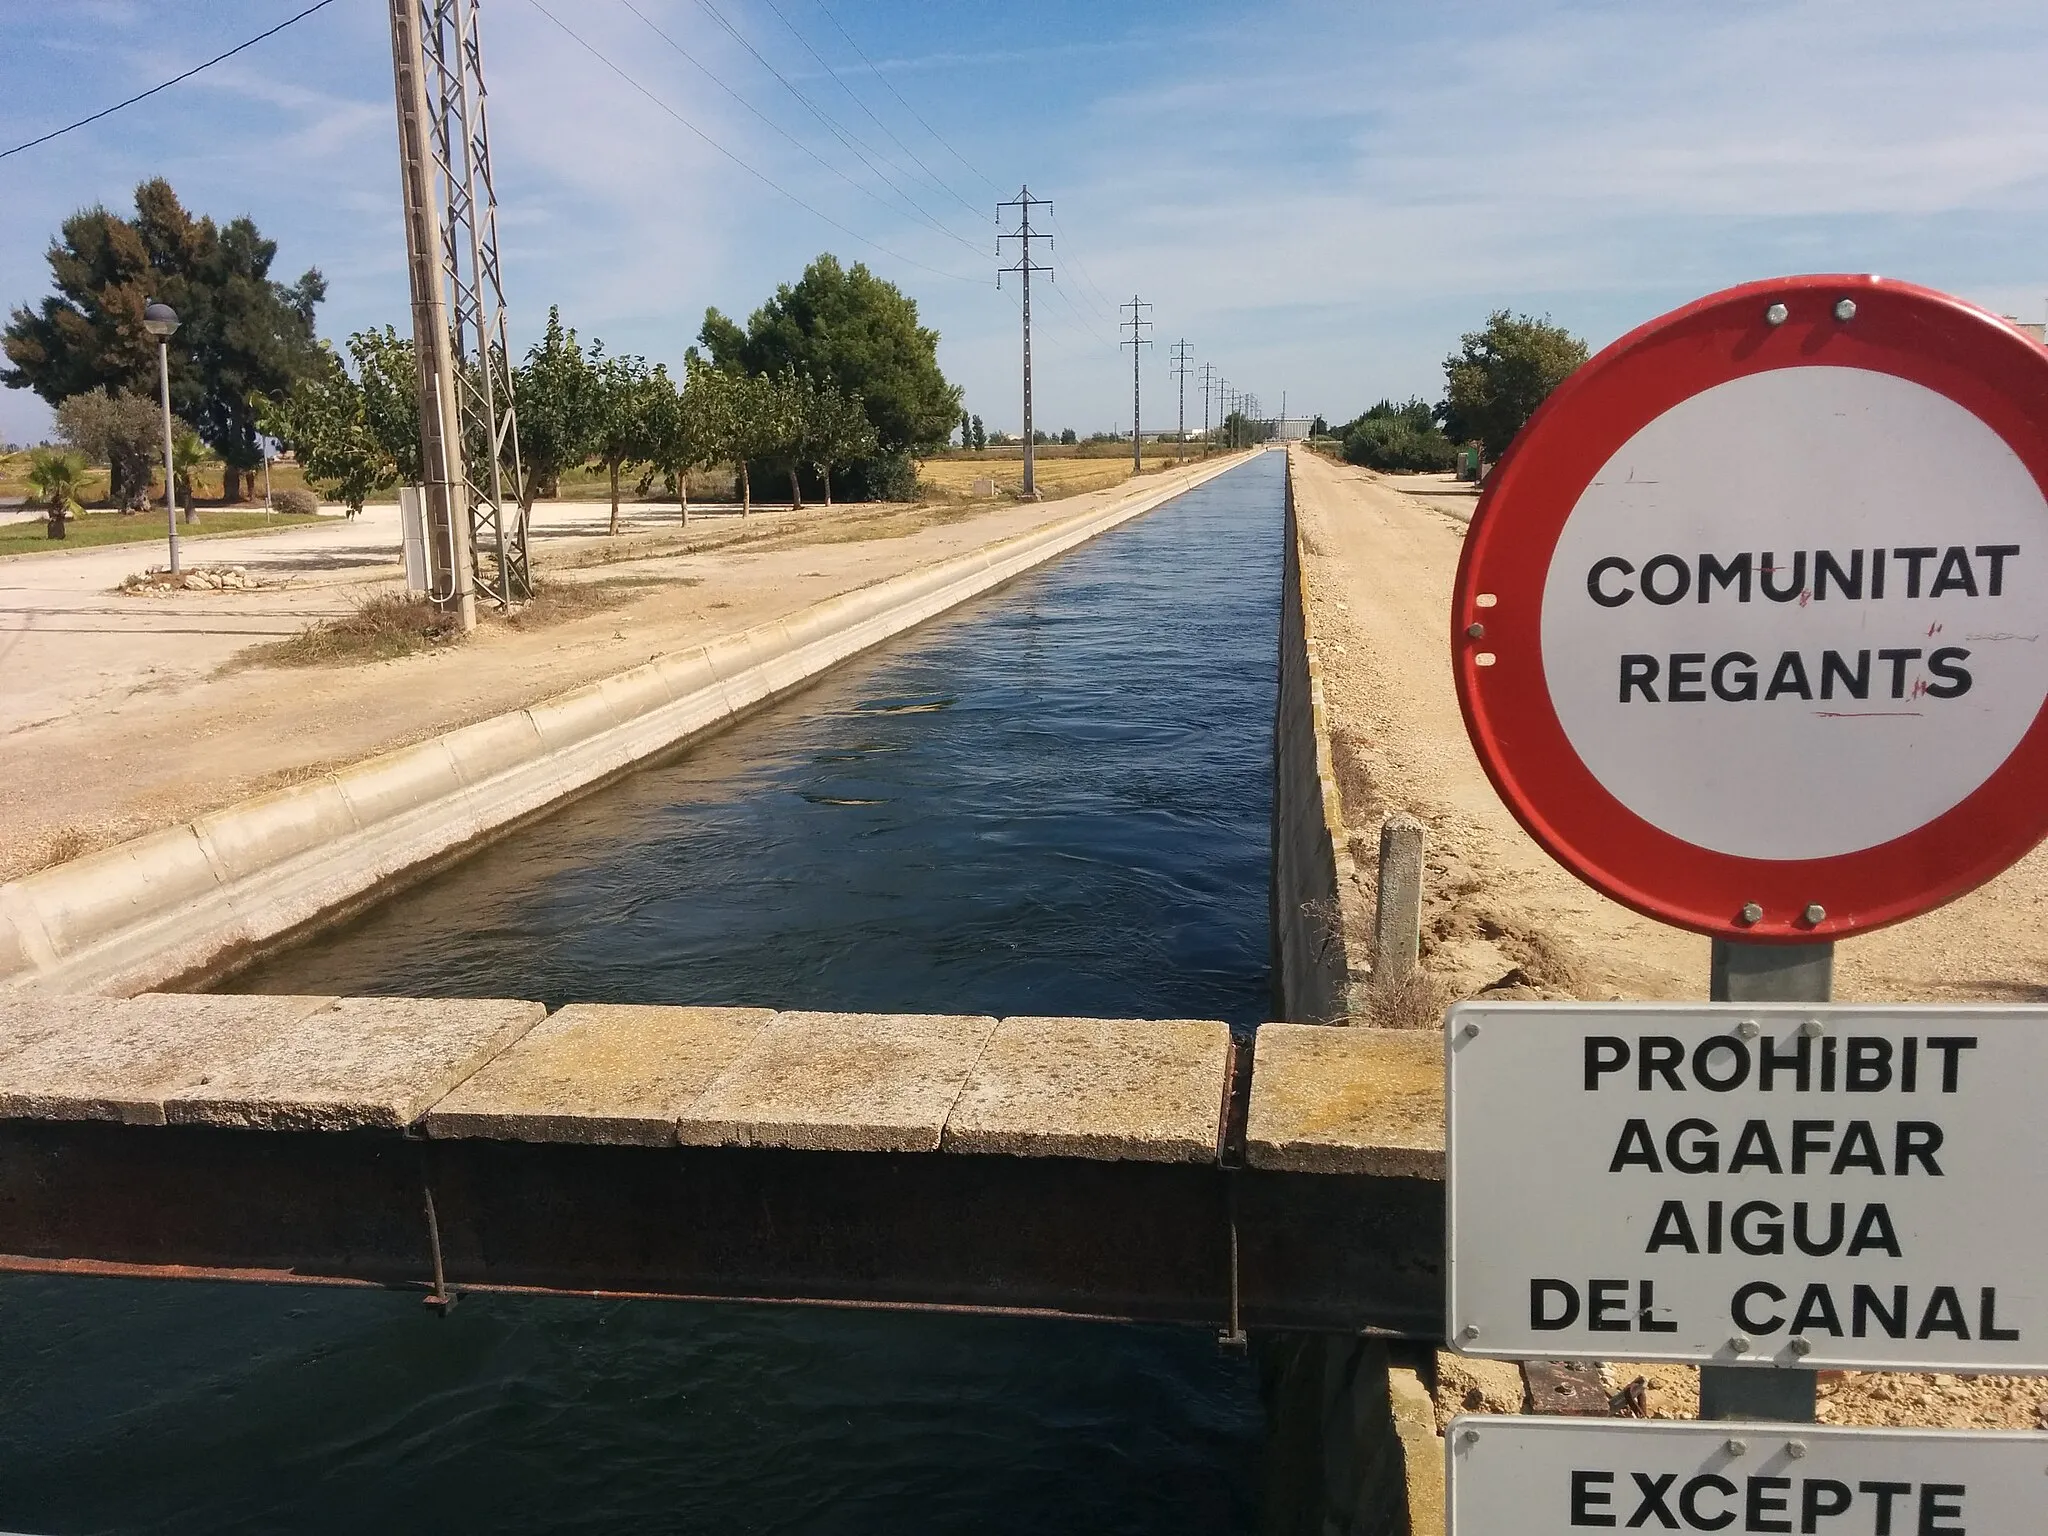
<point>613,1074</point>
<point>1331,1100</point>
<point>99,1058</point>
<point>1144,1090</point>
<point>361,1062</point>
<point>841,1082</point>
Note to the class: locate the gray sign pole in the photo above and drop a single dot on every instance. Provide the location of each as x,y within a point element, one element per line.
<point>1765,973</point>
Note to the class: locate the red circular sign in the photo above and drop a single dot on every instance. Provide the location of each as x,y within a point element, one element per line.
<point>1745,628</point>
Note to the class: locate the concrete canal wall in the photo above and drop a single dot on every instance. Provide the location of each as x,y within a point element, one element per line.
<point>198,900</point>
<point>1314,975</point>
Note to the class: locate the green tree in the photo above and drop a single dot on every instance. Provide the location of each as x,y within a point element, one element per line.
<point>358,433</point>
<point>242,333</point>
<point>849,328</point>
<point>832,429</point>
<point>675,435</point>
<point>124,432</point>
<point>58,477</point>
<point>980,435</point>
<point>1067,436</point>
<point>189,455</point>
<point>966,431</point>
<point>1501,374</point>
<point>624,401</point>
<point>555,390</point>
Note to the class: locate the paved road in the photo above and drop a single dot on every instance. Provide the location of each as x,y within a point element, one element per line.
<point>68,635</point>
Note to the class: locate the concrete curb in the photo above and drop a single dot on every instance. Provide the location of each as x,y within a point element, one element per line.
<point>204,898</point>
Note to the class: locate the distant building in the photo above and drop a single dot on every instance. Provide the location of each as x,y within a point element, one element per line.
<point>2036,329</point>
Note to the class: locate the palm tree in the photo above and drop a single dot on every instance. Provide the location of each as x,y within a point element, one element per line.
<point>59,478</point>
<point>188,456</point>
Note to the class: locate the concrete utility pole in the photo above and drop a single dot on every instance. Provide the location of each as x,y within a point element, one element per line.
<point>1136,341</point>
<point>1024,202</point>
<point>469,436</point>
<point>1180,372</point>
<point>1208,384</point>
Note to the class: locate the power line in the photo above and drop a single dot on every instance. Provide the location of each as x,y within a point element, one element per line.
<point>759,176</point>
<point>825,65</point>
<point>861,150</point>
<point>712,75</point>
<point>1106,305</point>
<point>927,127</point>
<point>57,133</point>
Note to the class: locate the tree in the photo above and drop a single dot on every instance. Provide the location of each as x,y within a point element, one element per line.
<point>674,428</point>
<point>58,477</point>
<point>1067,437</point>
<point>354,434</point>
<point>624,396</point>
<point>124,432</point>
<point>241,334</point>
<point>980,436</point>
<point>849,328</point>
<point>189,455</point>
<point>966,431</point>
<point>832,429</point>
<point>557,426</point>
<point>1501,374</point>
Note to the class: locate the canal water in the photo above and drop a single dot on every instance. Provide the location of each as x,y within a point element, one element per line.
<point>1054,800</point>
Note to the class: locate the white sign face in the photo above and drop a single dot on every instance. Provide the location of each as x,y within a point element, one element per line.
<point>1738,1183</point>
<point>1826,583</point>
<point>1560,1477</point>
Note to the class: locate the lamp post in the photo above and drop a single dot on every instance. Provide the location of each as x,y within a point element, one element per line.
<point>161,321</point>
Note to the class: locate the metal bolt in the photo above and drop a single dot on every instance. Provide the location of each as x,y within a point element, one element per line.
<point>1469,1332</point>
<point>1813,1029</point>
<point>1815,912</point>
<point>1735,1447</point>
<point>1476,631</point>
<point>1795,1449</point>
<point>1750,913</point>
<point>1469,1437</point>
<point>1801,1346</point>
<point>1749,1029</point>
<point>1845,309</point>
<point>1740,1344</point>
<point>1777,314</point>
<point>1469,1032</point>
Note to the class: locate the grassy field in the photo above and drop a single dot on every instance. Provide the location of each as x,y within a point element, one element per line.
<point>31,537</point>
<point>1059,471</point>
<point>283,477</point>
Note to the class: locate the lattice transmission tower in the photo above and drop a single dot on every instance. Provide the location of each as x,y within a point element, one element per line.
<point>469,434</point>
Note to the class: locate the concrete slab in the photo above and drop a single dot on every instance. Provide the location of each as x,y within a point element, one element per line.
<point>1145,1090</point>
<point>841,1082</point>
<point>357,1063</point>
<point>96,1058</point>
<point>613,1074</point>
<point>1340,1100</point>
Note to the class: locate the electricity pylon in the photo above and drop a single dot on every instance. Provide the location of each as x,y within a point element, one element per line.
<point>1136,341</point>
<point>1024,202</point>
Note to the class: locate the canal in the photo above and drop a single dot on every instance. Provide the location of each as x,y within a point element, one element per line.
<point>1054,800</point>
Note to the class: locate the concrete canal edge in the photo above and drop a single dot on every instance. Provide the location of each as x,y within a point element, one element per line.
<point>200,900</point>
<point>1313,974</point>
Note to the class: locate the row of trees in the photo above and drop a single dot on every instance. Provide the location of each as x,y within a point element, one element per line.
<point>354,427</point>
<point>831,378</point>
<point>242,333</point>
<point>1493,384</point>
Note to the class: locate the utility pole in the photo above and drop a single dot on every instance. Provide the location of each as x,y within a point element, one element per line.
<point>1135,341</point>
<point>1208,384</point>
<point>1180,372</point>
<point>469,436</point>
<point>1024,202</point>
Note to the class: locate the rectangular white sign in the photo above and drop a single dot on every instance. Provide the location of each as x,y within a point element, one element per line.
<point>1560,1477</point>
<point>1817,1185</point>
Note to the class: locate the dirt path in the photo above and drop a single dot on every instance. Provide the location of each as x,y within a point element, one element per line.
<point>125,714</point>
<point>1501,918</point>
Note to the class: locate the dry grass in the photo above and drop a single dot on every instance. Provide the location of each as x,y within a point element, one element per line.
<point>1055,478</point>
<point>560,602</point>
<point>1415,1001</point>
<point>381,629</point>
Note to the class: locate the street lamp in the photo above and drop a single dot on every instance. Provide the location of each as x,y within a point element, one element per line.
<point>161,321</point>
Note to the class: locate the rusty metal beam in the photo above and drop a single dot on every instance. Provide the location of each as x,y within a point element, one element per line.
<point>1117,1240</point>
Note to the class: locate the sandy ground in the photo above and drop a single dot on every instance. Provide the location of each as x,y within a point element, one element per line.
<point>123,714</point>
<point>1501,919</point>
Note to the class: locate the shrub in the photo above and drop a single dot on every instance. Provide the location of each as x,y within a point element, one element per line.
<point>296,503</point>
<point>1397,444</point>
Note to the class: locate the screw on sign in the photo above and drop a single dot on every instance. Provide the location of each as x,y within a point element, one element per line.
<point>1751,626</point>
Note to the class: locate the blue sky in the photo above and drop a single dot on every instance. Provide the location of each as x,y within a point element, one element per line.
<point>1318,196</point>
